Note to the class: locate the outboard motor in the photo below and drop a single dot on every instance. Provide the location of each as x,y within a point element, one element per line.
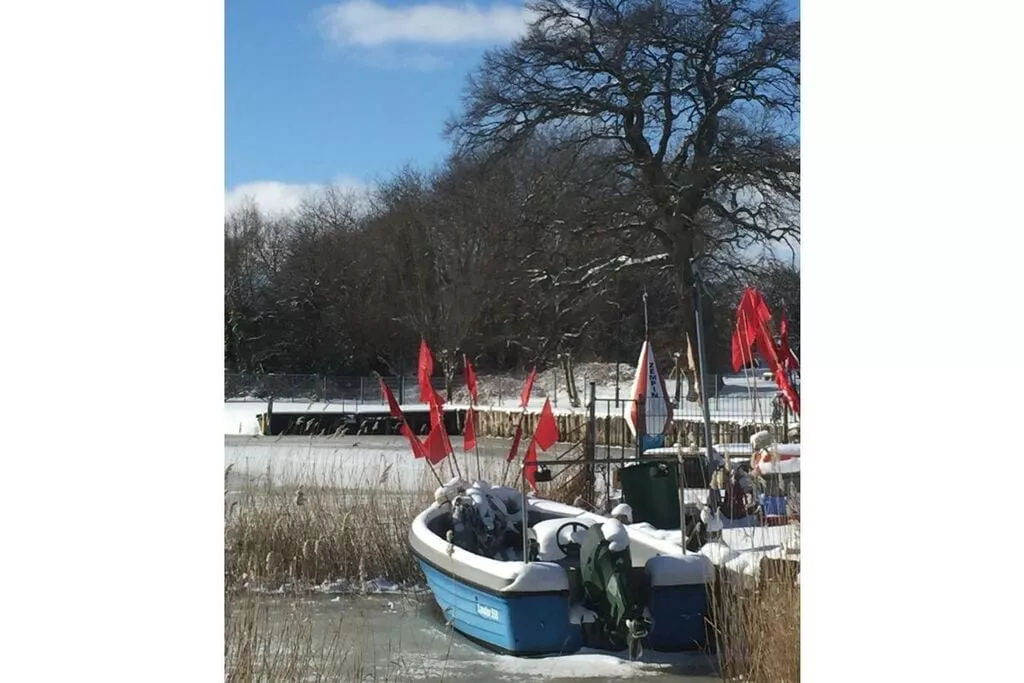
<point>611,590</point>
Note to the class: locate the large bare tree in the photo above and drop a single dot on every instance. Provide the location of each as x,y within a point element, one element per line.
<point>697,101</point>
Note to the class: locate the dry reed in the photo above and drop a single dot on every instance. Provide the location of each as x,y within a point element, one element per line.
<point>756,627</point>
<point>309,533</point>
<point>317,529</point>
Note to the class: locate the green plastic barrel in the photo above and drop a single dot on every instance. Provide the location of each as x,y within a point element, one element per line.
<point>651,489</point>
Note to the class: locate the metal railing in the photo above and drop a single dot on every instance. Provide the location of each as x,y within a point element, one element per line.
<point>732,404</point>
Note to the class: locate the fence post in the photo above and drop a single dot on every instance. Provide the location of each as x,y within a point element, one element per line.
<point>590,448</point>
<point>785,422</point>
<point>270,414</point>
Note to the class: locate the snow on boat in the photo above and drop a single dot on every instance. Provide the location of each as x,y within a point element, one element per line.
<point>588,580</point>
<point>718,519</point>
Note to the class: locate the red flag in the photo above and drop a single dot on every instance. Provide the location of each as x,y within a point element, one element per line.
<point>437,421</point>
<point>403,426</point>
<point>546,433</point>
<point>514,451</point>
<point>528,388</point>
<point>771,354</point>
<point>530,464</point>
<point>426,369</point>
<point>469,435</point>
<point>436,449</point>
<point>789,359</point>
<point>438,445</point>
<point>471,379</point>
<point>742,347</point>
<point>393,407</point>
<point>418,449</point>
<point>750,314</point>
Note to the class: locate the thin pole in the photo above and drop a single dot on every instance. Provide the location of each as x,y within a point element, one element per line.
<point>682,499</point>
<point>748,359</point>
<point>522,487</point>
<point>702,363</point>
<point>472,403</point>
<point>434,472</point>
<point>646,337</point>
<point>590,449</point>
<point>476,449</point>
<point>519,427</point>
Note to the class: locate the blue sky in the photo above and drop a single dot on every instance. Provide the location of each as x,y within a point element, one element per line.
<point>346,92</point>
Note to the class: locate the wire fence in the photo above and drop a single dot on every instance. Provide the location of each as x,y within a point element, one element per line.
<point>754,401</point>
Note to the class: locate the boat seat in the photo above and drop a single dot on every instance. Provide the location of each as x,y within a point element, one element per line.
<point>547,540</point>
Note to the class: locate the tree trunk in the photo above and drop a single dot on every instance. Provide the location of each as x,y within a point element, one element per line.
<point>682,253</point>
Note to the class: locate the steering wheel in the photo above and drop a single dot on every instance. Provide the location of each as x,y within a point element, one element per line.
<point>558,535</point>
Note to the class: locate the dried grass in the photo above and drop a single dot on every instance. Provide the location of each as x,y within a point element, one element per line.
<point>757,627</point>
<point>308,534</point>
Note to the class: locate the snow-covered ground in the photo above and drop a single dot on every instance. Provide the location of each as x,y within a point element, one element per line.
<point>742,398</point>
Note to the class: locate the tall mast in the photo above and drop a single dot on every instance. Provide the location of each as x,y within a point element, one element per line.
<point>702,361</point>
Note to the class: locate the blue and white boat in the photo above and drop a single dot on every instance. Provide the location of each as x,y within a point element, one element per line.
<point>588,581</point>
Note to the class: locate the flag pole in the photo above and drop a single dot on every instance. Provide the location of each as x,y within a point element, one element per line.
<point>749,374</point>
<point>472,415</point>
<point>451,451</point>
<point>519,428</point>
<point>476,450</point>
<point>702,367</point>
<point>526,519</point>
<point>434,472</point>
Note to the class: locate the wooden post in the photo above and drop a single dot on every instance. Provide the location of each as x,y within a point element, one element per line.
<point>590,445</point>
<point>270,414</point>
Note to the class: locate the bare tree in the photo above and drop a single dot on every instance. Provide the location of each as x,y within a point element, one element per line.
<point>696,101</point>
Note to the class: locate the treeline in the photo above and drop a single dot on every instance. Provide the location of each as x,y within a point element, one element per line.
<point>509,258</point>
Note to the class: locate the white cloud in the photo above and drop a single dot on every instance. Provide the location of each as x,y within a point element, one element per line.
<point>367,23</point>
<point>274,197</point>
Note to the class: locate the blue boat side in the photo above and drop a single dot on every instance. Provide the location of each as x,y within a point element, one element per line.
<point>678,618</point>
<point>522,624</point>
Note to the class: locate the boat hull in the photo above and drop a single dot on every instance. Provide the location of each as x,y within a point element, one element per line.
<point>521,624</point>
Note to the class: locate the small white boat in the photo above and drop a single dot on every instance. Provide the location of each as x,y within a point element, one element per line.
<point>587,580</point>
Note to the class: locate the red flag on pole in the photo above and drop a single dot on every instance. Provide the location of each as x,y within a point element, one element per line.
<point>546,433</point>
<point>471,380</point>
<point>741,345</point>
<point>437,420</point>
<point>469,434</point>
<point>436,449</point>
<point>528,388</point>
<point>403,426</point>
<point>771,354</point>
<point>751,313</point>
<point>426,369</point>
<point>438,444</point>
<point>530,463</point>
<point>514,451</point>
